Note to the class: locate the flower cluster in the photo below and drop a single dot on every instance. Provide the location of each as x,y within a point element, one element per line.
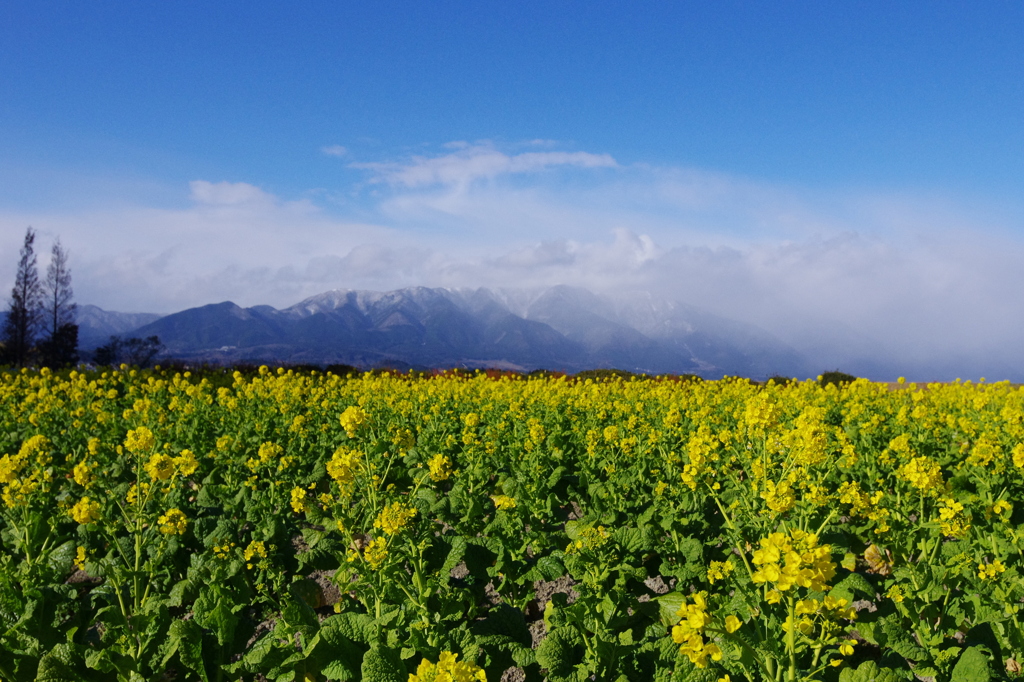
<point>778,498</point>
<point>441,468</point>
<point>376,552</point>
<point>689,632</point>
<point>266,452</point>
<point>173,522</point>
<point>140,440</point>
<point>81,556</point>
<point>82,473</point>
<point>503,502</point>
<point>256,548</point>
<point>86,511</point>
<point>448,669</point>
<point>394,517</point>
<point>795,559</point>
<point>343,467</point>
<point>298,500</point>
<point>224,551</point>
<point>954,523</point>
<point>591,537</point>
<point>351,419</point>
<point>923,473</point>
<point>160,467</point>
<point>720,570</point>
<point>990,571</point>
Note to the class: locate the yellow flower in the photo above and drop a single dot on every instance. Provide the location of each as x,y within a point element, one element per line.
<point>223,551</point>
<point>503,501</point>
<point>299,503</point>
<point>895,593</point>
<point>140,440</point>
<point>953,521</point>
<point>10,467</point>
<point>394,517</point>
<point>720,570</point>
<point>376,552</point>
<point>923,473</point>
<point>256,548</point>
<point>133,492</point>
<point>85,511</point>
<point>846,648</point>
<point>732,624</point>
<point>173,522</point>
<point>351,419</point>
<point>448,669</point>
<point>82,473</point>
<point>990,571</point>
<point>186,463</point>
<point>344,466</point>
<point>440,467</point>
<point>269,451</point>
<point>1001,506</point>
<point>589,538</point>
<point>80,558</point>
<point>160,467</point>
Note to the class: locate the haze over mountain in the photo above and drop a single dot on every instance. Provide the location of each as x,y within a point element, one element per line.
<point>560,328</point>
<point>96,326</point>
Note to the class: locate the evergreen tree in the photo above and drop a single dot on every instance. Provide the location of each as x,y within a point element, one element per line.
<point>60,348</point>
<point>24,311</point>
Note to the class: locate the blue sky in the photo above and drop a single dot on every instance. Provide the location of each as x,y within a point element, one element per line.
<point>792,164</point>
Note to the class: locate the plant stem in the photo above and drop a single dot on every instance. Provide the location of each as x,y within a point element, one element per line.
<point>791,640</point>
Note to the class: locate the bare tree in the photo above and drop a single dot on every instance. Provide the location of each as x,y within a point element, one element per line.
<point>24,310</point>
<point>61,345</point>
<point>133,351</point>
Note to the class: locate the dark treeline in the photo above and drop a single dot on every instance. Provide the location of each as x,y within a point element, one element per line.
<point>41,328</point>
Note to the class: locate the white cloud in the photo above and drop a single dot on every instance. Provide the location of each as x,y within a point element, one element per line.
<point>227,193</point>
<point>475,162</point>
<point>840,273</point>
<point>334,150</point>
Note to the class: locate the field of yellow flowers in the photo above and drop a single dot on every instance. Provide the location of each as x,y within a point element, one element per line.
<point>286,525</point>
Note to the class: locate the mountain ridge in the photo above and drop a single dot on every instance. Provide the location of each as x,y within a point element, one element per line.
<point>558,328</point>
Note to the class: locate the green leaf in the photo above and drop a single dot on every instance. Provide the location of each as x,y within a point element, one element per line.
<point>58,665</point>
<point>358,627</point>
<point>381,664</point>
<point>669,605</point>
<point>972,666</point>
<point>630,539</point>
<point>851,586</point>
<point>297,613</point>
<point>692,549</point>
<point>223,622</point>
<point>869,672</point>
<point>550,567</point>
<point>62,557</point>
<point>186,637</point>
<point>338,656</point>
<point>560,652</point>
<point>182,593</point>
<point>899,640</point>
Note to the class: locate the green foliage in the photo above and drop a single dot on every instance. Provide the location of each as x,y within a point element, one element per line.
<point>346,528</point>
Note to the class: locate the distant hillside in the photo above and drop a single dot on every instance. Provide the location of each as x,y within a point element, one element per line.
<point>96,326</point>
<point>561,328</point>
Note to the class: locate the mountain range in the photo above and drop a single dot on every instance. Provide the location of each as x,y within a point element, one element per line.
<point>559,328</point>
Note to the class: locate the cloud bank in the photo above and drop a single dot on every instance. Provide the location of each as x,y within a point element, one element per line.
<point>850,277</point>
